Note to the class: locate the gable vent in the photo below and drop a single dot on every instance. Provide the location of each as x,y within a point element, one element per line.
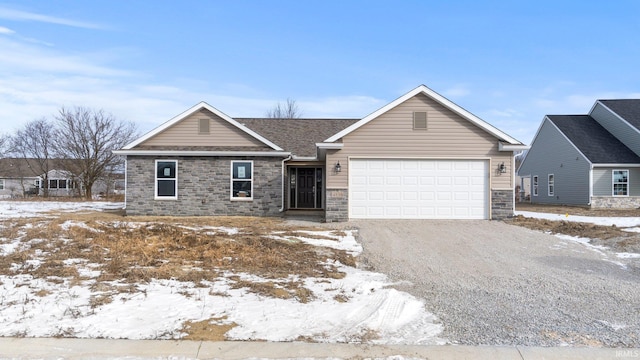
<point>203,126</point>
<point>420,120</point>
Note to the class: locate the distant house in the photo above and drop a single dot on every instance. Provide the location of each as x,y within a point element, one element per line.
<point>588,160</point>
<point>419,157</point>
<point>22,177</point>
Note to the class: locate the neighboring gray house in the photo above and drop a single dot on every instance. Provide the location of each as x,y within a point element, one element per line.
<point>419,157</point>
<point>587,160</point>
<point>21,177</point>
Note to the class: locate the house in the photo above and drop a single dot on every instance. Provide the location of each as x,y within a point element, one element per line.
<point>419,157</point>
<point>22,177</point>
<point>587,160</point>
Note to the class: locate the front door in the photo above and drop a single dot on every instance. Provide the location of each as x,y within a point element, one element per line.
<point>306,189</point>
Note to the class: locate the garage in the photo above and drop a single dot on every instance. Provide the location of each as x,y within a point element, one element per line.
<point>418,189</point>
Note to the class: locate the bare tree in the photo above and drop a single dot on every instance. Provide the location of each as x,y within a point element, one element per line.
<point>288,110</point>
<point>34,144</point>
<point>87,137</point>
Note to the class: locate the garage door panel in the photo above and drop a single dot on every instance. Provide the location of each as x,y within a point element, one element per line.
<point>403,188</point>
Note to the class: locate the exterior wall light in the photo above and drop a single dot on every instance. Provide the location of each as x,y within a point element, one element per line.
<point>338,168</point>
<point>502,168</point>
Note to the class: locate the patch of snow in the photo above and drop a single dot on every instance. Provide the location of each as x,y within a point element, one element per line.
<point>626,255</point>
<point>623,222</point>
<point>633,229</point>
<point>21,209</point>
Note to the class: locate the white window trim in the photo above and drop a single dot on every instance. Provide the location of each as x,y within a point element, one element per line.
<point>613,183</point>
<point>551,183</point>
<point>534,184</point>
<point>155,183</point>
<point>250,198</point>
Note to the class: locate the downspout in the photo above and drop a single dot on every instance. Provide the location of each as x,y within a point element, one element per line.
<point>283,182</point>
<point>590,183</point>
<point>125,183</point>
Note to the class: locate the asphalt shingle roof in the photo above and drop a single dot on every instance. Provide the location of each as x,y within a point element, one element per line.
<point>628,109</point>
<point>593,140</point>
<point>299,136</point>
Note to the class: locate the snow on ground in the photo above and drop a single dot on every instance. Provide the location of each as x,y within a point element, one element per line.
<point>158,309</point>
<point>16,209</point>
<point>625,223</point>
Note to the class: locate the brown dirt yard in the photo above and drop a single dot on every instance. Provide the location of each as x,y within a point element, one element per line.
<point>611,236</point>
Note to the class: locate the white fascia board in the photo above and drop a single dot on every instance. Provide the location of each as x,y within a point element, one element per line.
<point>437,97</point>
<point>304,158</point>
<point>332,145</point>
<point>597,165</point>
<point>192,110</point>
<point>509,147</point>
<point>201,153</point>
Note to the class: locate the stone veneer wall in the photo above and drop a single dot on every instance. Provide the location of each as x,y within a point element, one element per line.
<point>337,205</point>
<point>501,204</point>
<point>615,202</point>
<point>204,186</point>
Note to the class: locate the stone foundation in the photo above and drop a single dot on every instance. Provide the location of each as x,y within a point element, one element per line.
<point>501,204</point>
<point>337,207</point>
<point>615,202</point>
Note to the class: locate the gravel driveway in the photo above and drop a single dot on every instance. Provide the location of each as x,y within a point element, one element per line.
<point>491,283</point>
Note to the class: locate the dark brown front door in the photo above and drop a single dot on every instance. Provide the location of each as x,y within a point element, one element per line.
<point>306,188</point>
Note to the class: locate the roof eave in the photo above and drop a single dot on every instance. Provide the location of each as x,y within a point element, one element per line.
<point>282,154</point>
<point>512,147</point>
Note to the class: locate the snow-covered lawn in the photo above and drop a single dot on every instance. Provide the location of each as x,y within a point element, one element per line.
<point>360,307</point>
<point>629,224</point>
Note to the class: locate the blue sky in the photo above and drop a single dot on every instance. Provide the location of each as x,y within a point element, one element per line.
<point>508,62</point>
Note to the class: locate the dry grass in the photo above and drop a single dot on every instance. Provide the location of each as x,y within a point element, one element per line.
<point>209,330</point>
<point>184,249</point>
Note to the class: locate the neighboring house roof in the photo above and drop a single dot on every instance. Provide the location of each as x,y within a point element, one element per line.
<point>422,89</point>
<point>628,109</point>
<point>201,105</point>
<point>17,168</point>
<point>298,136</point>
<point>593,140</point>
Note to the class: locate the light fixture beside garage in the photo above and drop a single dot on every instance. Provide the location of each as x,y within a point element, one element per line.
<point>338,168</point>
<point>502,168</point>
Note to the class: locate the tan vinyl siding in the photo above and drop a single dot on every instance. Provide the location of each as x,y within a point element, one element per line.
<point>187,133</point>
<point>448,136</point>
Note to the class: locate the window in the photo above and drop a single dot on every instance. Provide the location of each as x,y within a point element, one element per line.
<point>535,185</point>
<point>166,179</point>
<point>36,183</point>
<point>242,180</point>
<point>203,126</point>
<point>1,184</point>
<point>53,184</point>
<point>620,182</point>
<point>550,185</point>
<point>62,183</point>
<point>420,120</point>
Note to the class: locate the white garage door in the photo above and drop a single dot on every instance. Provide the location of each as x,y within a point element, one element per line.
<point>418,189</point>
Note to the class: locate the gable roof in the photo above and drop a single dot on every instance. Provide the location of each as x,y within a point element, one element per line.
<point>628,109</point>
<point>422,89</point>
<point>593,140</point>
<point>298,136</point>
<point>201,105</point>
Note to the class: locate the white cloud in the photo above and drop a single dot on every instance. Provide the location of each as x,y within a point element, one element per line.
<point>12,14</point>
<point>457,91</point>
<point>4,30</point>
